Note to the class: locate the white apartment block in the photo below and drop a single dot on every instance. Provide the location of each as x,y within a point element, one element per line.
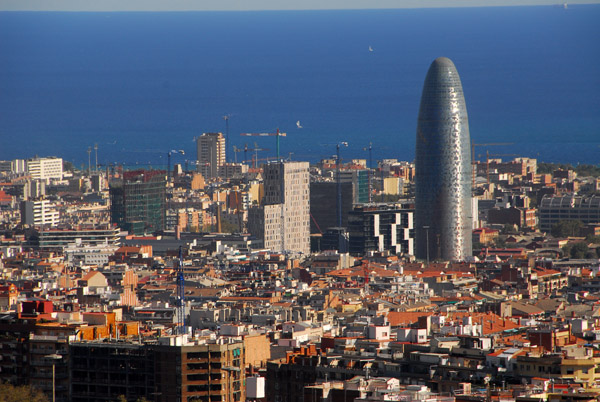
<point>210,149</point>
<point>39,213</point>
<point>19,166</point>
<point>85,254</point>
<point>286,216</point>
<point>45,168</point>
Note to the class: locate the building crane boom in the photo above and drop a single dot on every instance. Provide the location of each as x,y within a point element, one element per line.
<point>490,144</point>
<point>276,134</point>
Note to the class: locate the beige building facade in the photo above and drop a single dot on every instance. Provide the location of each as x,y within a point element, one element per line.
<point>284,220</point>
<point>210,153</point>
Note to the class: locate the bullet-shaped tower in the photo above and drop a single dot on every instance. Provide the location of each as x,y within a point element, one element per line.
<point>443,217</point>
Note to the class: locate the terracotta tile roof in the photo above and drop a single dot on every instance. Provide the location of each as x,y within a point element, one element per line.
<point>546,272</point>
<point>90,275</point>
<point>396,318</point>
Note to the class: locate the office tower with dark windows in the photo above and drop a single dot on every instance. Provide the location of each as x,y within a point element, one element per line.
<point>381,227</point>
<point>443,168</point>
<point>137,201</point>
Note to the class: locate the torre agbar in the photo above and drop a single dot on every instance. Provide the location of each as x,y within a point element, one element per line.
<point>443,218</point>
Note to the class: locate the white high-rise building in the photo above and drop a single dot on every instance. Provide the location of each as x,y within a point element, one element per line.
<point>45,168</point>
<point>211,153</point>
<point>39,213</point>
<point>34,189</point>
<point>283,222</point>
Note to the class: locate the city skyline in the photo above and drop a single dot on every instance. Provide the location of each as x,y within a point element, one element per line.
<point>403,267</point>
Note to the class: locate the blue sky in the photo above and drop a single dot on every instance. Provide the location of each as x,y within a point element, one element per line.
<point>249,5</point>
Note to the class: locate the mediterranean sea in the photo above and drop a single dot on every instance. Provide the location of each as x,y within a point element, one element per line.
<point>141,84</point>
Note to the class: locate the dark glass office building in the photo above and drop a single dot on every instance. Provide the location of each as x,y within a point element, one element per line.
<point>443,168</point>
<point>137,201</point>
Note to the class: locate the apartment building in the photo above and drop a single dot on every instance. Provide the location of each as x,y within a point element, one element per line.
<point>210,149</point>
<point>45,168</point>
<point>283,221</point>
<point>39,213</point>
<point>170,370</point>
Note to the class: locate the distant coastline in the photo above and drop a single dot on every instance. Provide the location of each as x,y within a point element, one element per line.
<point>140,84</point>
<point>269,5</point>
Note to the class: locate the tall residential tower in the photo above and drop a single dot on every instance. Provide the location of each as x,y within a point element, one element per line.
<point>211,153</point>
<point>443,168</point>
<point>283,219</point>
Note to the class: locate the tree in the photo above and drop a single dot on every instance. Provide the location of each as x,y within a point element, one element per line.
<point>23,393</point>
<point>68,166</point>
<point>579,250</point>
<point>533,200</point>
<point>592,239</point>
<point>509,228</point>
<point>566,249</point>
<point>576,250</point>
<point>478,246</point>
<point>500,242</point>
<point>387,198</point>
<point>566,228</point>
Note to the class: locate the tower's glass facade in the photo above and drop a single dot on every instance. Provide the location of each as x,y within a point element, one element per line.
<point>443,218</point>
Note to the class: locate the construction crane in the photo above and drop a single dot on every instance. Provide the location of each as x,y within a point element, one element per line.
<point>473,145</point>
<point>257,162</point>
<point>180,295</point>
<point>89,152</point>
<point>226,118</point>
<point>96,150</point>
<point>487,163</point>
<point>236,150</point>
<point>171,152</point>
<point>491,144</point>
<point>276,134</point>
<point>193,162</point>
<point>367,274</point>
<point>255,150</point>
